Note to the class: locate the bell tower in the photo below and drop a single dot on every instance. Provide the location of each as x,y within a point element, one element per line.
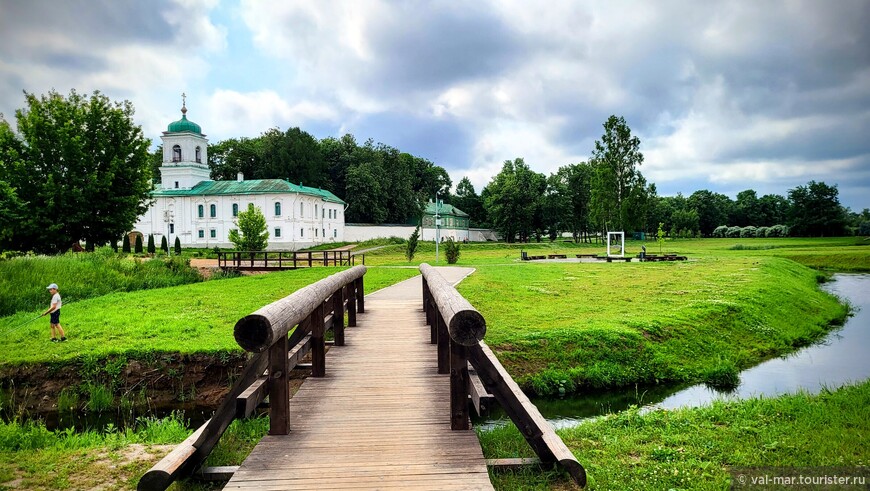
<point>185,153</point>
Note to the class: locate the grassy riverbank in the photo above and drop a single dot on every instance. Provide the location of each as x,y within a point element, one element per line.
<point>32,457</point>
<point>695,448</point>
<point>605,325</point>
<point>197,318</point>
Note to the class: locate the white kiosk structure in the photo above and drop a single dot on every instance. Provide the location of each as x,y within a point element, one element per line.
<point>621,236</point>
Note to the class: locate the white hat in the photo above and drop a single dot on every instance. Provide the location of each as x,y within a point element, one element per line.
<point>52,286</point>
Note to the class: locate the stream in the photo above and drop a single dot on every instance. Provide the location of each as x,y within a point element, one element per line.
<point>838,359</point>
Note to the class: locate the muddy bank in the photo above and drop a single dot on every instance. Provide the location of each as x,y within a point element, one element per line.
<point>154,380</point>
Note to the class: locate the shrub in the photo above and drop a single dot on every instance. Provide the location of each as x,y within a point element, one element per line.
<point>411,248</point>
<point>451,250</point>
<point>761,232</point>
<point>151,247</point>
<point>719,232</point>
<point>747,232</point>
<point>777,231</point>
<point>125,244</point>
<point>138,247</point>
<point>164,244</point>
<point>177,246</point>
<point>733,233</point>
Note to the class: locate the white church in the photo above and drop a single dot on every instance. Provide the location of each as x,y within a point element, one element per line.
<point>201,212</point>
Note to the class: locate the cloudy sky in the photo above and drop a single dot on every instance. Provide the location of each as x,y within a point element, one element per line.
<point>724,95</point>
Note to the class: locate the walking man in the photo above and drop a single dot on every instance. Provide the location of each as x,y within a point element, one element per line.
<point>57,334</point>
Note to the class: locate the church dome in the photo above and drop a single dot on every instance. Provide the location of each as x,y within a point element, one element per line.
<point>183,125</point>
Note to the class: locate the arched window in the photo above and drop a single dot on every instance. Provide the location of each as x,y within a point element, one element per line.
<point>198,154</point>
<point>277,208</point>
<point>212,210</point>
<point>235,209</point>
<point>315,211</point>
<point>301,210</point>
<point>176,153</point>
<point>201,210</point>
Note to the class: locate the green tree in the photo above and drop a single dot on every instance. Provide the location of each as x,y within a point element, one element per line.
<point>177,246</point>
<point>511,200</point>
<point>747,209</point>
<point>619,190</point>
<point>251,234</point>
<point>151,248</point>
<point>11,213</point>
<point>574,181</point>
<point>293,155</point>
<point>713,209</point>
<point>411,249</point>
<point>164,244</point>
<point>816,211</point>
<point>451,250</point>
<point>467,200</point>
<point>83,166</point>
<point>773,210</point>
<point>138,247</point>
<point>125,244</point>
<point>229,157</point>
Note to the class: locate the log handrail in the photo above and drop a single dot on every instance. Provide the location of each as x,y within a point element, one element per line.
<point>323,304</point>
<point>464,323</point>
<point>258,331</point>
<point>441,303</point>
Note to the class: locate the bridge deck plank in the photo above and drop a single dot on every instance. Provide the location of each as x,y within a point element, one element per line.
<point>380,418</point>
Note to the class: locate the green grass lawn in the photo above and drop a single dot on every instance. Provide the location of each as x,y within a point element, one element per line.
<point>612,324</point>
<point>196,318</point>
<point>696,448</point>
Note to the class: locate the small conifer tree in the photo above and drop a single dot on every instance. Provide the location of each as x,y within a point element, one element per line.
<point>151,248</point>
<point>412,244</point>
<point>451,250</point>
<point>138,247</point>
<point>125,244</point>
<point>177,246</point>
<point>164,244</point>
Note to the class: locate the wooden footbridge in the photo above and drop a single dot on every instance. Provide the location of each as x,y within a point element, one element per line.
<point>391,411</point>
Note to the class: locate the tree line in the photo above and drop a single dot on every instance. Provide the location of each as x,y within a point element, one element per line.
<point>78,168</point>
<point>609,193</point>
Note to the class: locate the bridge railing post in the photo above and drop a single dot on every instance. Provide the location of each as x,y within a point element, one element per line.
<point>459,412</point>
<point>338,316</point>
<point>318,344</point>
<point>360,296</point>
<point>350,295</point>
<point>443,341</point>
<point>279,395</point>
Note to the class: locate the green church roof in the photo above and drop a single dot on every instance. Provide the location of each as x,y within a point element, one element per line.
<point>446,209</point>
<point>183,125</point>
<point>254,186</point>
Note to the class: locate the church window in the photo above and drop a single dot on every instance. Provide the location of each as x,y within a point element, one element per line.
<point>301,233</point>
<point>212,210</point>
<point>323,213</point>
<point>171,228</point>
<point>315,211</point>
<point>301,210</point>
<point>201,211</point>
<point>277,232</point>
<point>198,154</point>
<point>212,233</point>
<point>315,230</point>
<point>176,153</point>
<point>277,209</point>
<point>176,184</point>
<point>235,209</point>
<point>201,234</point>
<point>334,233</point>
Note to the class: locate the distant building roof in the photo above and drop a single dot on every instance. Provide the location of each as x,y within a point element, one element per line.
<point>446,209</point>
<point>254,186</point>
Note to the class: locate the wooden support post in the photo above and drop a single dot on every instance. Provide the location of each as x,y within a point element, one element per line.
<point>279,389</point>
<point>351,304</point>
<point>360,296</point>
<point>443,345</point>
<point>294,260</point>
<point>338,316</point>
<point>426,298</point>
<point>326,258</point>
<point>309,259</point>
<point>432,319</point>
<point>458,387</point>
<point>318,347</point>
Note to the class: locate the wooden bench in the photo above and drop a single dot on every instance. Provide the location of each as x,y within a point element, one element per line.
<point>557,256</point>
<point>593,256</point>
<point>617,259</point>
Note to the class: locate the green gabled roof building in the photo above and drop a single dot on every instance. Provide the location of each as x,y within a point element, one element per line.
<point>254,186</point>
